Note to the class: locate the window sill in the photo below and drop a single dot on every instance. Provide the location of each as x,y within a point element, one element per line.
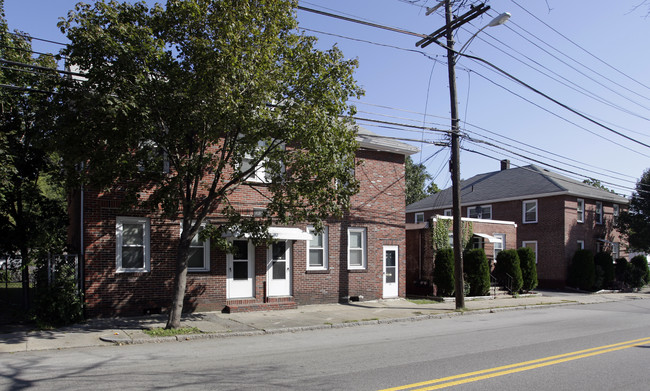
<point>317,271</point>
<point>357,270</point>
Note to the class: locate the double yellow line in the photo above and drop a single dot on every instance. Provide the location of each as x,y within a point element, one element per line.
<point>483,374</point>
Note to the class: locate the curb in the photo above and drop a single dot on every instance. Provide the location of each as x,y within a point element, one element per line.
<point>286,330</point>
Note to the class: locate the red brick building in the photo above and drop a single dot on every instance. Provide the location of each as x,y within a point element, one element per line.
<point>555,215</point>
<point>128,258</point>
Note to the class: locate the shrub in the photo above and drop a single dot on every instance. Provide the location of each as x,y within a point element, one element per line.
<point>58,303</point>
<point>604,269</point>
<point>477,272</point>
<point>639,273</point>
<point>620,269</point>
<point>528,268</point>
<point>508,264</point>
<point>582,271</point>
<point>443,272</point>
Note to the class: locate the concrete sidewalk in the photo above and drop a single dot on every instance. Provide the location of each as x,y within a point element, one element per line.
<point>106,332</point>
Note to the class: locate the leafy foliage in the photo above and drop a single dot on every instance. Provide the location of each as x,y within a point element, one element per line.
<point>218,89</point>
<point>604,268</point>
<point>477,271</point>
<point>639,274</point>
<point>32,202</point>
<point>416,178</point>
<point>582,270</point>
<point>635,223</point>
<point>59,302</point>
<point>508,264</point>
<point>443,272</point>
<point>528,268</point>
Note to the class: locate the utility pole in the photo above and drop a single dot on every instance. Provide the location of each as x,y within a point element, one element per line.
<point>454,164</point>
<point>459,284</point>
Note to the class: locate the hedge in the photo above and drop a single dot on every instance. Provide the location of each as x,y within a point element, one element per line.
<point>443,272</point>
<point>477,272</point>
<point>528,268</point>
<point>582,270</point>
<point>508,263</point>
<point>605,272</point>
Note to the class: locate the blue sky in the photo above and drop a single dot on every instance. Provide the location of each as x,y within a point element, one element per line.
<point>589,55</point>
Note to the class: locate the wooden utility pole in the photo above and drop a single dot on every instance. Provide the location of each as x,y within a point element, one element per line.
<point>451,24</point>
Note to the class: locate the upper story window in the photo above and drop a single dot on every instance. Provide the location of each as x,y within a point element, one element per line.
<point>581,210</point>
<point>317,249</point>
<point>419,217</point>
<point>599,212</point>
<point>617,211</point>
<point>199,259</point>
<point>480,212</point>
<point>529,211</point>
<point>132,244</point>
<point>447,212</point>
<point>357,248</point>
<point>581,244</point>
<point>259,173</point>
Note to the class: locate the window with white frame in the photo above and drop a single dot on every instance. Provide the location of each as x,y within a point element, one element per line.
<point>478,242</point>
<point>199,259</point>
<point>529,211</point>
<point>616,250</point>
<point>259,173</point>
<point>419,217</point>
<point>531,244</point>
<point>132,244</point>
<point>500,245</point>
<point>581,244</point>
<point>617,210</point>
<point>599,212</point>
<point>580,210</point>
<point>480,212</point>
<point>317,249</point>
<point>357,248</point>
<point>447,212</point>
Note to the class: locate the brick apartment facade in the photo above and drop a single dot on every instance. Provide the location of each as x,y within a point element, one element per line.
<point>347,261</point>
<point>555,215</point>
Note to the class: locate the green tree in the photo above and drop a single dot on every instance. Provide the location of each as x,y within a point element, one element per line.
<point>582,270</point>
<point>416,179</point>
<point>635,222</point>
<point>477,270</point>
<point>597,184</point>
<point>527,262</point>
<point>508,270</point>
<point>32,203</point>
<point>443,272</point>
<point>218,89</point>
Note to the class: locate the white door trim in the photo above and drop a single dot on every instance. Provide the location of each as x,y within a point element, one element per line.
<point>391,272</point>
<point>279,284</point>
<point>237,288</point>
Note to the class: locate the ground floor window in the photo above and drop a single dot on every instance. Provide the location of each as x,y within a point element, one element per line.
<point>531,244</point>
<point>357,248</point>
<point>317,249</point>
<point>132,244</point>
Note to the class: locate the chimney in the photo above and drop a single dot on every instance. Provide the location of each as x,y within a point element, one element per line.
<point>505,164</point>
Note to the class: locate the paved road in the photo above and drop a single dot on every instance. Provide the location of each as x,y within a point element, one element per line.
<point>552,348</point>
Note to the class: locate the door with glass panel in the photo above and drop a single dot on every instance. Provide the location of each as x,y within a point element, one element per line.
<point>279,269</point>
<point>240,264</point>
<point>390,272</point>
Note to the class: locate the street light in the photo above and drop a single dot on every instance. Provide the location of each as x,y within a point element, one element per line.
<point>499,20</point>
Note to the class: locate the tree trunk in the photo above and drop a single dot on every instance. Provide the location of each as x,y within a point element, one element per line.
<point>24,269</point>
<point>180,282</point>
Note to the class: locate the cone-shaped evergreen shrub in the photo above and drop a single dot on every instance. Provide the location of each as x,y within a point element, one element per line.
<point>639,271</point>
<point>508,264</point>
<point>582,270</point>
<point>528,268</point>
<point>605,272</point>
<point>443,272</point>
<point>477,272</point>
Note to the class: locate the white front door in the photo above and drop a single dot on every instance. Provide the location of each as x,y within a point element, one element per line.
<point>390,271</point>
<point>278,269</point>
<point>239,274</point>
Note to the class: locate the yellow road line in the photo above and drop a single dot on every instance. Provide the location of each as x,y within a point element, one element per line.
<point>519,367</point>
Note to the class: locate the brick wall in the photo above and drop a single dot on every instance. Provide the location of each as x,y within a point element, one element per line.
<point>378,207</point>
